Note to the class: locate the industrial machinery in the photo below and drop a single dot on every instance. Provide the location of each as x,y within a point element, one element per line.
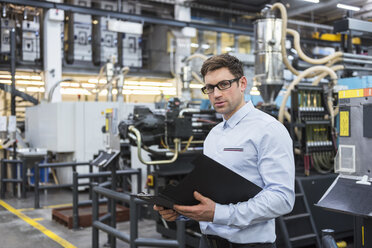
<point>351,192</point>
<point>172,139</point>
<point>310,118</point>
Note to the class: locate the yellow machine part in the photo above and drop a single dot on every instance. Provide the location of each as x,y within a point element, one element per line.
<point>334,37</point>
<point>341,244</point>
<point>150,180</point>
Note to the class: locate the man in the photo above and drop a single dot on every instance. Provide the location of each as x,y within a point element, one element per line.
<point>252,144</point>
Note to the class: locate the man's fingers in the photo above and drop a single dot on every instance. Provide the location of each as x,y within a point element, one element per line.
<point>198,196</point>
<point>158,208</point>
<point>184,209</point>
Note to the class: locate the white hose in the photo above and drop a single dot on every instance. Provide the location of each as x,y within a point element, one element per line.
<point>283,13</point>
<point>197,77</point>
<point>298,79</point>
<point>196,55</point>
<point>125,70</point>
<point>330,59</point>
<point>324,74</point>
<point>304,57</point>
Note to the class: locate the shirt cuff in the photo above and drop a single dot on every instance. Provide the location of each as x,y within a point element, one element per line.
<point>182,217</point>
<point>221,214</point>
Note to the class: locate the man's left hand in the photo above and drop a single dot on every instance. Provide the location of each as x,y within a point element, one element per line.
<point>204,211</point>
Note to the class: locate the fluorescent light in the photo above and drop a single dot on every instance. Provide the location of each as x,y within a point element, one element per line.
<point>30,82</point>
<point>348,7</point>
<point>85,85</point>
<point>35,89</point>
<point>311,1</point>
<point>196,86</point>
<point>205,46</point>
<point>144,83</point>
<point>194,45</point>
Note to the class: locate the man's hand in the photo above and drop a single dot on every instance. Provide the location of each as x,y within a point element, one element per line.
<point>204,211</point>
<point>167,214</point>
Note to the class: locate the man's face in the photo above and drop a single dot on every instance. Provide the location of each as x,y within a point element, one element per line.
<point>228,101</point>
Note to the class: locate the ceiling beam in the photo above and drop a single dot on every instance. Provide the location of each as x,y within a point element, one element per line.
<point>312,7</point>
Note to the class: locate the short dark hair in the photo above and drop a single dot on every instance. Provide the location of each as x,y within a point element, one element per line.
<point>221,61</point>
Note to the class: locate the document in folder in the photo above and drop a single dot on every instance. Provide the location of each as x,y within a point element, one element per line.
<point>209,178</point>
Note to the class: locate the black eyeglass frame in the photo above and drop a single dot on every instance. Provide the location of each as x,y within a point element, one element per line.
<point>204,89</point>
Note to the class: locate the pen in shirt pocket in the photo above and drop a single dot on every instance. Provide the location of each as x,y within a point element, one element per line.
<point>233,149</point>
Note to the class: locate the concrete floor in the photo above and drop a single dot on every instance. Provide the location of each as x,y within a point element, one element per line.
<point>15,232</point>
<point>25,227</point>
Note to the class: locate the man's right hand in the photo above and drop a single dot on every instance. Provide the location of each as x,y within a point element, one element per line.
<point>167,214</point>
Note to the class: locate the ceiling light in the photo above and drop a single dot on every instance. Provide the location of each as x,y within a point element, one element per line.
<point>196,86</point>
<point>205,46</point>
<point>348,7</point>
<point>311,1</point>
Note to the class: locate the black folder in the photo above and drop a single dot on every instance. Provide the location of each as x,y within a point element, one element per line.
<point>209,178</point>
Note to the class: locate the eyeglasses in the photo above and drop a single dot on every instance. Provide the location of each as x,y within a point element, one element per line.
<point>222,85</point>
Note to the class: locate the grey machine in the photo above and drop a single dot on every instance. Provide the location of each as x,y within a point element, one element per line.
<point>351,192</point>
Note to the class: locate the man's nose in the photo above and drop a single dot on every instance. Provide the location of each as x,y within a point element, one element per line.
<point>217,92</point>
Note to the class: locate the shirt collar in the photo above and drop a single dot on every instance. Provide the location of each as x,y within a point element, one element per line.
<point>238,115</point>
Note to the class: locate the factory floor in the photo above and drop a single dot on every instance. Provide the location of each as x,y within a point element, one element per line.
<point>22,226</point>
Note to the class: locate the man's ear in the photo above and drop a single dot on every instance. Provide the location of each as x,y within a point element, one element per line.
<point>243,83</point>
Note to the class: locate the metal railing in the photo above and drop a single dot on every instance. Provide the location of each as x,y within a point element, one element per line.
<point>131,238</point>
<point>98,175</point>
<point>38,187</point>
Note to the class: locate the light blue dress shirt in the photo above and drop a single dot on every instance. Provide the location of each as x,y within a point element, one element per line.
<point>259,148</point>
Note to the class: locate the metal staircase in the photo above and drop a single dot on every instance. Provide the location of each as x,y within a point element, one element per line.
<point>298,227</point>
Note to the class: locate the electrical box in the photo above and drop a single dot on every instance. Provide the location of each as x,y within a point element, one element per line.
<point>131,42</point>
<point>6,26</point>
<point>132,50</point>
<point>79,35</point>
<point>30,40</point>
<point>104,40</point>
<point>354,153</point>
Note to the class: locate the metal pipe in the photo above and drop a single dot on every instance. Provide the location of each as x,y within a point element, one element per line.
<point>108,173</point>
<point>356,68</point>
<point>112,194</point>
<point>11,161</point>
<point>75,201</point>
<point>36,185</point>
<point>95,230</point>
<point>12,70</point>
<point>176,141</point>
<point>13,88</point>
<point>108,229</point>
<point>181,237</point>
<point>51,91</point>
<point>357,56</point>
<point>133,215</point>
<point>105,217</point>
<point>150,242</point>
<point>62,164</point>
<point>188,110</point>
<point>2,177</point>
<point>358,61</point>
<point>55,186</point>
